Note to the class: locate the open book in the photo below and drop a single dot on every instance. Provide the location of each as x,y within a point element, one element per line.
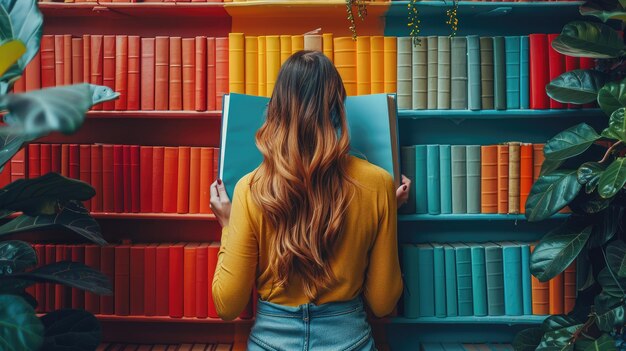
<point>372,124</point>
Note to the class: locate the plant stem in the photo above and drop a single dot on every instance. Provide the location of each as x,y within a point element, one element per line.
<point>608,152</point>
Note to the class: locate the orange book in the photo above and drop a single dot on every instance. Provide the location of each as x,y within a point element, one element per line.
<point>182,204</point>
<point>390,59</point>
<point>514,177</point>
<point>58,60</point>
<point>189,277</point>
<point>540,294</point>
<point>161,73</point>
<point>211,78</point>
<point>176,74</point>
<point>503,179</point>
<point>19,86</point>
<point>206,178</point>
<point>108,67</point>
<point>212,254</point>
<point>285,48</point>
<point>557,294</point>
<point>537,160</point>
<point>97,64</point>
<point>272,62</point>
<point>327,45</point>
<point>147,74</point>
<point>569,284</point>
<point>77,60</point>
<point>261,67</point>
<point>96,177</point>
<point>526,174</point>
<point>200,281</point>
<point>134,53</point>
<point>345,61</point>
<point>194,180</point>
<point>47,61</point>
<point>252,69</point>
<point>67,59</point>
<point>189,74</point>
<point>121,71</point>
<point>158,155</point>
<point>297,43</point>
<point>170,179</point>
<point>489,179</point>
<point>65,160</point>
<point>145,175</point>
<point>377,63</point>
<point>33,73</point>
<point>236,56</point>
<point>363,67</point>
<point>86,58</point>
<point>200,74</point>
<point>221,70</point>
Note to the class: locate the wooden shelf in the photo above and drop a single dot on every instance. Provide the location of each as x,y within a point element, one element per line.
<point>156,114</point>
<point>491,9</point>
<point>499,114</point>
<point>162,319</point>
<point>470,217</point>
<point>147,10</point>
<point>505,320</point>
<point>155,216</point>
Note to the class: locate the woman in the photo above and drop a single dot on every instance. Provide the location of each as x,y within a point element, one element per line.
<point>314,227</point>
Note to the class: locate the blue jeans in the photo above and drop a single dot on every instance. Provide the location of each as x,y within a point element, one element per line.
<point>335,326</point>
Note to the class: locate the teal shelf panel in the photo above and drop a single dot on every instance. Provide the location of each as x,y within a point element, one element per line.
<point>496,114</point>
<point>470,217</point>
<point>506,320</point>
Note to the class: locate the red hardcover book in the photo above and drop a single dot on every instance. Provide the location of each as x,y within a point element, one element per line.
<point>5,175</point>
<point>134,53</point>
<point>20,85</point>
<point>40,288</point>
<point>61,292</point>
<point>135,205</point>
<point>182,204</point>
<point>65,160</point>
<point>145,179</point>
<point>58,60</point>
<point>85,168</point>
<point>107,267</point>
<point>127,178</point>
<point>158,159</point>
<point>176,272</point>
<point>97,63</point>
<point>121,71</point>
<point>74,160</point>
<point>96,177</point>
<point>67,59</point>
<point>86,58</point>
<point>176,74</point>
<point>210,74</point>
<point>108,179</point>
<point>45,158</point>
<point>221,69</point>
<point>161,73</point>
<point>122,280</point>
<point>200,78</point>
<point>55,158</point>
<point>137,258</point>
<point>213,251</point>
<point>539,71</point>
<point>108,67</point>
<point>19,165</point>
<point>77,60</point>
<point>162,282</point>
<point>147,74</point>
<point>33,73</point>
<point>216,161</point>
<point>201,285</point>
<point>92,259</point>
<point>118,178</point>
<point>34,160</point>
<point>49,287</point>
<point>189,277</point>
<point>170,179</point>
<point>572,63</point>
<point>206,178</point>
<point>557,67</point>
<point>78,295</point>
<point>194,180</point>
<point>47,61</point>
<point>189,74</point>
<point>150,274</point>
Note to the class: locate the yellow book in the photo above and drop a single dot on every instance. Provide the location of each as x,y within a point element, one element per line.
<point>285,48</point>
<point>252,68</point>
<point>377,76</point>
<point>236,57</point>
<point>297,43</point>
<point>272,57</point>
<point>313,42</point>
<point>345,61</point>
<point>390,71</point>
<point>262,73</point>
<point>363,69</point>
<point>327,45</point>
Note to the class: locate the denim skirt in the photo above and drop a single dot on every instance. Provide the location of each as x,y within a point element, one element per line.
<point>334,326</point>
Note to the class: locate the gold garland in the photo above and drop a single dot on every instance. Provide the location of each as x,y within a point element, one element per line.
<point>361,12</point>
<point>414,22</point>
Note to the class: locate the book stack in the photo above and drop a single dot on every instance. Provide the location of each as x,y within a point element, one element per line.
<point>166,279</point>
<point>162,73</point>
<point>480,279</point>
<point>163,347</point>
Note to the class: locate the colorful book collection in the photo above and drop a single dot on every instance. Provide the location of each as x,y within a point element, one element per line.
<point>148,279</point>
<point>161,347</point>
<point>480,279</point>
<point>461,179</point>
<point>127,178</point>
<point>465,347</point>
<point>162,73</point>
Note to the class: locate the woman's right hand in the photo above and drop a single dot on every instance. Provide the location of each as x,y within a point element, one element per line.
<point>402,193</point>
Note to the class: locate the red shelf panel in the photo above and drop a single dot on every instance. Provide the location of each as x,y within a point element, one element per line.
<point>166,9</point>
<point>156,114</point>
<point>155,216</point>
<point>162,319</point>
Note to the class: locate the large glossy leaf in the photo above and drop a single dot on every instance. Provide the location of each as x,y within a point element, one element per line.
<point>616,256</point>
<point>577,86</point>
<point>10,52</point>
<point>10,144</point>
<point>550,193</point>
<point>617,125</point>
<point>16,256</point>
<point>548,166</point>
<point>587,39</point>
<point>21,329</point>
<point>556,322</point>
<point>589,174</point>
<point>603,343</point>
<point>73,216</point>
<point>613,178</point>
<point>34,196</point>
<point>585,203</point>
<point>612,96</point>
<point>6,29</point>
<point>528,339</point>
<point>609,312</point>
<point>570,142</point>
<point>612,284</point>
<point>71,330</point>
<point>604,15</point>
<point>558,249</point>
<point>558,339</point>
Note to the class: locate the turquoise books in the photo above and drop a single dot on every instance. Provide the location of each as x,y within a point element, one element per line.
<point>450,275</point>
<point>432,181</point>
<point>526,279</point>
<point>410,270</point>
<point>512,48</point>
<point>473,178</point>
<point>445,178</point>
<point>458,75</point>
<point>372,137</point>
<point>495,279</point>
<point>440,280</point>
<point>473,73</point>
<point>479,280</point>
<point>459,178</point>
<point>499,76</point>
<point>463,258</point>
<point>426,278</point>
<point>524,76</point>
<point>433,62</point>
<point>443,73</point>
<point>407,166</point>
<point>512,273</point>
<point>421,200</point>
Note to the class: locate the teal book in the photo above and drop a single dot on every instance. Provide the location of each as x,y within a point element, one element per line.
<point>421,200</point>
<point>473,178</point>
<point>445,178</point>
<point>372,126</point>
<point>440,280</point>
<point>458,75</point>
<point>463,258</point>
<point>473,73</point>
<point>524,76</point>
<point>512,273</point>
<point>495,279</point>
<point>433,186</point>
<point>479,280</point>
<point>426,293</point>
<point>450,274</point>
<point>407,166</point>
<point>459,178</point>
<point>512,56</point>
<point>526,279</point>
<point>410,270</point>
<point>499,76</point>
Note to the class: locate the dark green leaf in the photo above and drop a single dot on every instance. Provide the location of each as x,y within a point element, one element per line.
<point>10,144</point>
<point>609,312</point>
<point>558,339</point>
<point>604,15</point>
<point>603,343</point>
<point>582,343</point>
<point>548,166</point>
<point>588,282</point>
<point>587,39</point>
<point>71,330</point>
<point>616,256</point>
<point>21,329</point>
<point>570,142</point>
<point>617,125</point>
<point>613,179</point>
<point>527,339</point>
<point>28,298</point>
<point>6,29</point>
<point>577,86</point>
<point>589,174</point>
<point>73,217</point>
<point>605,226</point>
<point>16,256</point>
<point>589,203</point>
<point>612,285</point>
<point>556,322</point>
<point>612,96</point>
<point>550,193</point>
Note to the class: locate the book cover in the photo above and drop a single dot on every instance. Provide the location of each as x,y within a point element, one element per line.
<point>433,59</point>
<point>363,65</point>
<point>176,280</point>
<point>474,91</point>
<point>463,260</point>
<point>514,177</point>
<point>526,174</point>
<point>121,71</point>
<point>459,178</point>
<point>158,167</point>
<point>473,178</point>
<point>377,61</point>
<point>450,280</point>
<point>404,72</point>
<point>443,72</point>
<point>149,280</point>
<point>426,279</point>
<point>251,69</point>
<point>96,177</point>
<point>499,70</point>
<point>556,66</point>
<point>445,174</point>
<point>236,65</point>
<point>458,73</point>
<point>184,160</point>
<point>420,75</point>
<point>161,72</point>
<point>410,271</point>
<point>512,58</point>
<point>189,276</point>
<point>162,281</point>
<point>145,176</point>
<point>200,78</point>
<point>503,179</point>
<point>495,279</point>
<point>433,185</point>
<point>176,74</point>
<point>194,180</point>
<point>134,73</point>
<point>539,74</point>
<point>346,63</point>
<point>407,166</point>
<point>489,179</point>
<point>479,279</point>
<point>170,179</point>
<point>108,67</point>
<point>137,280</point>
<point>272,62</point>
<point>512,273</point>
<point>148,75</point>
<point>524,75</point>
<point>108,178</point>
<point>486,73</point>
<point>439,280</point>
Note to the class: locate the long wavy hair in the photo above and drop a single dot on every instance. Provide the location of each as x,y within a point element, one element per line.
<point>302,185</point>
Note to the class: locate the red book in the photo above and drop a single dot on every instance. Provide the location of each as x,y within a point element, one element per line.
<point>194,180</point>
<point>86,58</point>
<point>162,280</point>
<point>107,267</point>
<point>176,272</point>
<point>557,67</point>
<point>210,74</point>
<point>147,74</point>
<point>216,161</point>
<point>49,287</point>
<point>5,175</point>
<point>108,67</point>
<point>20,85</point>
<point>201,284</point>
<point>150,274</point>
<point>189,277</point>
<point>176,74</point>
<point>40,288</point>
<point>77,60</point>
<point>45,158</point>
<point>19,169</point>
<point>78,295</point>
<point>158,159</point>
<point>96,177</point>
<point>145,179</point>
<point>118,178</point>
<point>58,60</point>
<point>161,73</point>
<point>47,61</point>
<point>55,158</point>
<point>61,292</point>
<point>206,178</point>
<point>134,47</point>
<point>65,160</point>
<point>135,205</point>
<point>127,179</point>
<point>137,258</point>
<point>213,251</point>
<point>85,168</point>
<point>67,59</point>
<point>34,167</point>
<point>33,73</point>
<point>74,159</point>
<point>200,78</point>
<point>97,63</point>
<point>108,179</point>
<point>189,74</point>
<point>572,63</point>
<point>221,69</point>
<point>121,71</point>
<point>539,71</point>
<point>92,259</point>
<point>170,179</point>
<point>122,280</point>
<point>182,204</point>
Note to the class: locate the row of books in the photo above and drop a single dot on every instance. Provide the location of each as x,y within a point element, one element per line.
<point>162,73</point>
<point>163,347</point>
<point>127,178</point>
<point>128,1</point>
<point>447,346</point>
<point>148,279</point>
<point>470,178</point>
<point>486,279</point>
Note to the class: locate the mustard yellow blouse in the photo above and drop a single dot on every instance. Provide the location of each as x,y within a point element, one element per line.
<point>365,260</point>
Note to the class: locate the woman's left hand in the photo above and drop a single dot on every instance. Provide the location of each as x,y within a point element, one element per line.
<point>220,203</point>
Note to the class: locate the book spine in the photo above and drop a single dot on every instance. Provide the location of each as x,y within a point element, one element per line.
<point>74,160</point>
<point>433,59</point>
<point>135,154</point>
<point>420,75</point>
<point>108,67</point>
<point>145,176</point>
<point>47,61</point>
<point>78,295</point>
<point>189,276</point>
<point>512,274</point>
<point>49,288</point>
<point>377,61</point>
<point>443,73</point>
<point>538,159</point>
<point>489,179</point>
<point>262,66</point>
<point>184,160</point>
<point>97,64</point>
<point>410,265</point>
<point>345,62</point>
<point>118,178</point>
<point>5,175</point>
<point>421,176</point>
<point>459,178</point>
<point>236,67</point>
<point>450,281</point>
<point>556,67</point>
<point>107,267</point>
<point>464,280</point>
<point>176,281</point>
<point>206,178</point>
<point>503,179</point>
<point>34,157</point>
<point>200,82</point>
<point>158,168</point>
<point>55,158</point>
<point>297,43</point>
<point>213,251</point>
<point>162,281</point>
<point>86,58</point>
<point>458,74</point>
<point>134,74</point>
<point>473,178</point>
<point>176,74</point>
<point>285,48</point>
<point>433,185</point>
<point>474,92</point>
<point>77,60</point>
<point>200,280</point>
<point>363,65</point>
<point>67,59</point>
<point>122,280</point>
<point>272,62</point>
<point>121,72</point>
<point>445,173</point>
<point>524,75</point>
<point>486,73</point>
<point>526,174</point>
<point>495,280</point>
<point>211,75</point>
<point>514,177</point>
<point>108,178</point>
<point>161,73</point>
<point>439,281</point>
<point>92,259</point>
<point>189,73</point>
<point>19,165</point>
<point>149,287</point>
<point>137,277</point>
<point>85,169</point>
<point>557,294</point>
<point>479,280</point>
<point>45,164</point>
<point>60,291</point>
<point>126,179</point>
<point>170,177</point>
<point>426,278</point>
<point>33,73</point>
<point>407,163</point>
<point>194,180</point>
<point>252,65</point>
<point>569,285</point>
<point>512,58</point>
<point>526,281</point>
<point>499,69</point>
<point>404,72</point>
<point>327,45</point>
<point>314,42</point>
<point>221,70</point>
<point>58,60</point>
<point>96,177</point>
<point>539,71</point>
